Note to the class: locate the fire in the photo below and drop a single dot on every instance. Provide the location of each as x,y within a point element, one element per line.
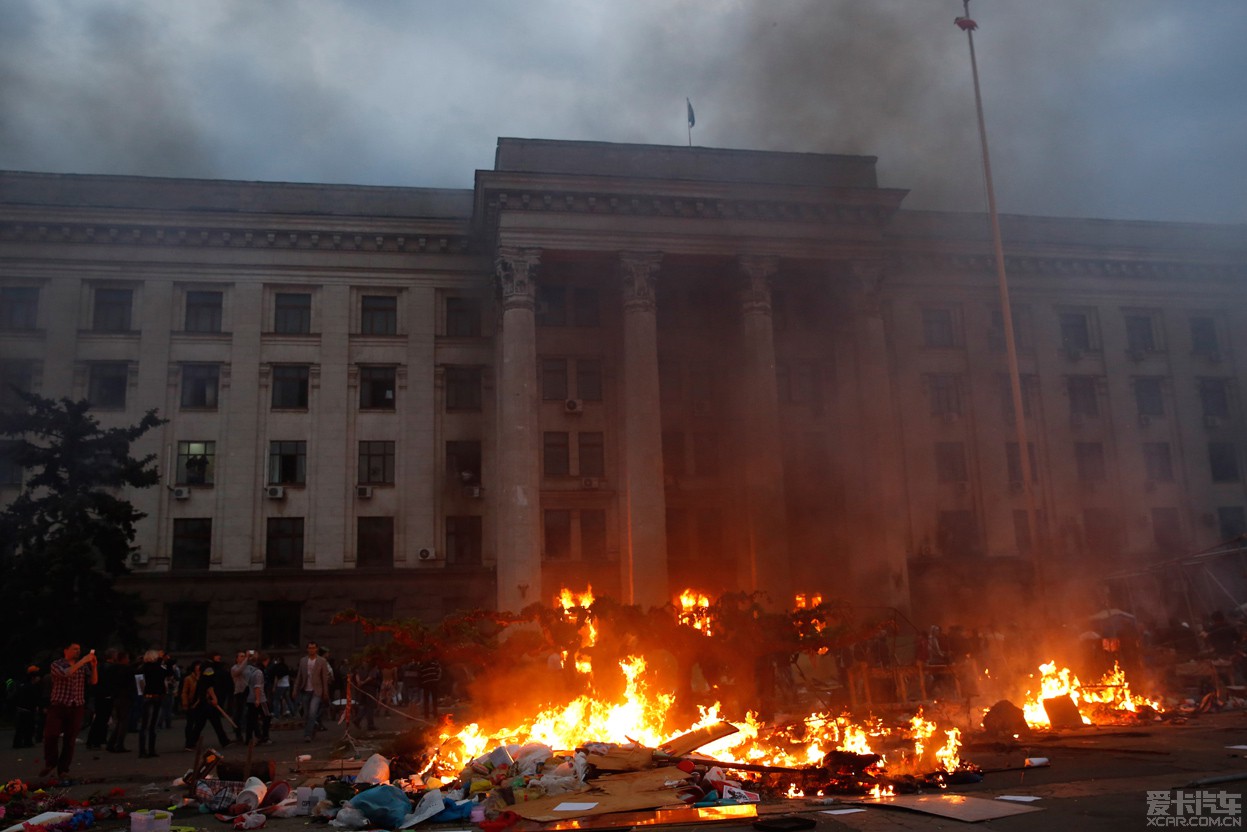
<point>807,602</point>
<point>641,715</point>
<point>695,611</point>
<point>1111,693</point>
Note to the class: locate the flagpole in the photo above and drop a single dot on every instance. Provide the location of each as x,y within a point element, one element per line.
<point>691,120</point>
<point>1006,314</point>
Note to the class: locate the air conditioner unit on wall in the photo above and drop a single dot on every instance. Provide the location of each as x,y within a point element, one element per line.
<point>181,492</point>
<point>138,559</point>
<point>574,406</point>
<point>364,492</point>
<point>472,492</point>
<point>275,492</point>
<point>590,483</point>
<point>427,554</point>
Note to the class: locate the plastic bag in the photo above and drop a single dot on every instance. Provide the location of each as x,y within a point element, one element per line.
<point>431,802</point>
<point>349,817</point>
<point>385,806</point>
<point>288,808</point>
<point>376,769</point>
<point>251,820</point>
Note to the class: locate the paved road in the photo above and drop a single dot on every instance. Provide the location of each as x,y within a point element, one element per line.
<point>1099,778</point>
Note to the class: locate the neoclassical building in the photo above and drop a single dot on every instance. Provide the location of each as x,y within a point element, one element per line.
<point>642,368</point>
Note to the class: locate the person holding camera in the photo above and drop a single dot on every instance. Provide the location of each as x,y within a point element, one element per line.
<point>70,675</point>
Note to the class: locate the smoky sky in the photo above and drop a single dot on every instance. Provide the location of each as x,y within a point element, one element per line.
<point>1130,109</point>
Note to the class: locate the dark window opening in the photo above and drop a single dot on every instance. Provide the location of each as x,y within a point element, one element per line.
<point>290,386</point>
<point>284,543</point>
<point>463,462</point>
<point>281,625</point>
<point>186,629</point>
<point>203,311</point>
<point>592,453</point>
<point>463,540</point>
<point>375,542</point>
<point>378,315</point>
<point>463,317</point>
<point>192,543</point>
<point>287,462</point>
<point>376,462</point>
<point>292,313</point>
<point>556,454</point>
<point>558,534</point>
<point>463,388</point>
<point>19,307</point>
<point>107,384</point>
<point>196,463</point>
<point>200,386</point>
<point>112,310</point>
<point>378,388</point>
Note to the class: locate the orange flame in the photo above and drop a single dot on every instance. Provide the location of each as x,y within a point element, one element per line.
<point>1112,692</point>
<point>695,610</point>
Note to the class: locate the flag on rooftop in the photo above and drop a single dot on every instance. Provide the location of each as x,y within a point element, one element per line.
<point>691,118</point>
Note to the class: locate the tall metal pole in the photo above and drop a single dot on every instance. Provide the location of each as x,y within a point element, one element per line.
<point>1006,314</point>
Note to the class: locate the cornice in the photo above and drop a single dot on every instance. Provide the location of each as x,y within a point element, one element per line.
<point>1055,266</point>
<point>845,212</point>
<point>447,238</point>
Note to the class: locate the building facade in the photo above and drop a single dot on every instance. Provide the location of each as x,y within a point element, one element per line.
<point>642,368</point>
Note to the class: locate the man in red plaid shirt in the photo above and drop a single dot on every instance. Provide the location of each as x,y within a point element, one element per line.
<point>68,701</point>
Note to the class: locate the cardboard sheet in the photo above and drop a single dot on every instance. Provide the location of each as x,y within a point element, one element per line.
<point>955,806</point>
<point>629,792</point>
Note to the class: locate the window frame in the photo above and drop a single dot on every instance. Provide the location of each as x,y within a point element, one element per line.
<point>187,451</point>
<point>372,450</point>
<point>290,381</point>
<point>283,453</point>
<point>378,315</point>
<point>375,380</point>
<point>201,316</point>
<point>19,308</point>
<point>190,545</point>
<point>286,313</point>
<point>102,373</point>
<point>110,312</point>
<point>281,533</point>
<point>201,386</point>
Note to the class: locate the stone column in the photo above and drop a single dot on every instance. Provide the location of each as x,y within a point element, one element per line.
<point>643,530</point>
<point>876,496</point>
<point>518,496</point>
<point>767,566</point>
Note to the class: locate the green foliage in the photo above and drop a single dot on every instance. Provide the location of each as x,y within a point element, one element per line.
<point>68,534</point>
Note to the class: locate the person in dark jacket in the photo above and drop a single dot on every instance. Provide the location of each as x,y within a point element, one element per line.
<point>151,676</point>
<point>205,708</point>
<point>120,684</point>
<point>26,708</point>
<point>97,734</point>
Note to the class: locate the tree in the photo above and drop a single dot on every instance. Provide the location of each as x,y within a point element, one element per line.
<point>69,534</point>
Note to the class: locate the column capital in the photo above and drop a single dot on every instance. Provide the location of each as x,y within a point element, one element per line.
<point>866,286</point>
<point>638,273</point>
<point>756,275</point>
<point>515,270</point>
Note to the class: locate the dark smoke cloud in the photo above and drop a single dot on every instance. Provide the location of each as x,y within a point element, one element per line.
<point>1118,108</point>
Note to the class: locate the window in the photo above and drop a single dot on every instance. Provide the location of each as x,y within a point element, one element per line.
<point>112,310</point>
<point>186,628</point>
<point>1030,395</point>
<point>290,386</point>
<point>553,379</point>
<point>287,462</point>
<point>673,454</point>
<point>463,462</point>
<point>551,306</point>
<point>1204,339</point>
<point>938,327</point>
<point>192,543</point>
<point>377,388</point>
<point>376,462</point>
<point>1232,521</point>
<point>11,472</point>
<point>558,534</point>
<point>1148,396</point>
<point>280,625</point>
<point>1141,334</point>
<point>1089,461</point>
<point>15,376</point>
<point>1214,395</point>
<point>950,462</point>
<point>1075,332</point>
<point>706,454</point>
<point>292,313</point>
<point>589,379</point>
<point>592,453</point>
<point>944,392</point>
<point>19,307</point>
<point>1158,460</point>
<point>556,454</point>
<point>200,383</point>
<point>463,317</point>
<point>196,463</point>
<point>1083,398</point>
<point>1167,529</point>
<point>593,535</point>
<point>1021,529</point>
<point>284,543</point>
<point>378,315</point>
<point>463,540</point>
<point>567,306</point>
<point>107,383</point>
<point>957,534</point>
<point>203,311</point>
<point>463,388</point>
<point>1014,461</point>
<point>1223,461</point>
<point>374,542</point>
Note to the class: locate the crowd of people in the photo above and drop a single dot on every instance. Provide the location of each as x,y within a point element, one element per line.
<point>103,700</point>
